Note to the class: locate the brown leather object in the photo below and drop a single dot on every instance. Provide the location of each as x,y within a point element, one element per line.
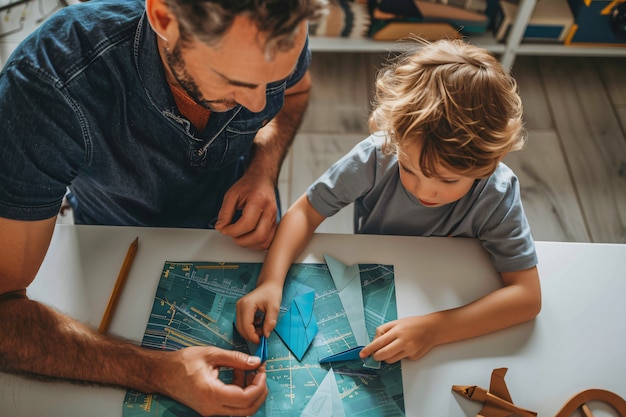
<point>580,400</point>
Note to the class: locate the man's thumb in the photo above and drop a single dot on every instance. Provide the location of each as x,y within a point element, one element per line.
<point>239,360</point>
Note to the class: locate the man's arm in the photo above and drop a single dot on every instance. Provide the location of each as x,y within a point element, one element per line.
<point>255,193</point>
<point>38,340</point>
<point>273,141</point>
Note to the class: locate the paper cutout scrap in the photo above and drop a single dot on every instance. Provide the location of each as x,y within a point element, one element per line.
<point>497,400</point>
<point>298,326</point>
<point>326,401</point>
<point>261,351</point>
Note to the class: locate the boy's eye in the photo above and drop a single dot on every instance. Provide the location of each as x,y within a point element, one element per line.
<point>450,181</point>
<point>403,168</point>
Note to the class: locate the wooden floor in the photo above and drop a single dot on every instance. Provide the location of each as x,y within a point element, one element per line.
<point>573,171</point>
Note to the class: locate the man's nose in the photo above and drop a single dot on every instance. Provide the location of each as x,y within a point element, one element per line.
<point>252,99</point>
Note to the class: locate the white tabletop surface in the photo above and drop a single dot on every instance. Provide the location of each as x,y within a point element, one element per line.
<point>577,342</point>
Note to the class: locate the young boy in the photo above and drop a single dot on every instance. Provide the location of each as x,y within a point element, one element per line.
<point>446,115</point>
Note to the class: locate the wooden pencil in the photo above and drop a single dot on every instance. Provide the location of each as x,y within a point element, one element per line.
<point>119,285</point>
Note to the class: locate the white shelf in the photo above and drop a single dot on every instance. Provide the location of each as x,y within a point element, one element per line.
<point>508,51</point>
<point>568,50</point>
<point>337,44</point>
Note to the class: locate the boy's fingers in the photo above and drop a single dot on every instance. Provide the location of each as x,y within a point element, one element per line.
<point>271,316</point>
<point>379,342</point>
<point>245,324</point>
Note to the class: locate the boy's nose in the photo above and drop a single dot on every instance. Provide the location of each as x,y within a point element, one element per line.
<point>425,190</point>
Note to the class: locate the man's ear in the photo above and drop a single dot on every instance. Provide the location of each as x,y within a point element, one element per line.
<point>162,20</point>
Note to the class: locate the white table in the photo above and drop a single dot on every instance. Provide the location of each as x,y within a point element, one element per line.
<point>577,342</point>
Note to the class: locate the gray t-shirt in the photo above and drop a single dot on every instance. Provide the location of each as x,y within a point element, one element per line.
<point>491,211</point>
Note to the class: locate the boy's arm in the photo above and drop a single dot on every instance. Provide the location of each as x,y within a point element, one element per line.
<point>294,232</point>
<point>519,300</point>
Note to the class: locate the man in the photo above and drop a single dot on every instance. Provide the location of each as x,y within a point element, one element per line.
<point>175,114</point>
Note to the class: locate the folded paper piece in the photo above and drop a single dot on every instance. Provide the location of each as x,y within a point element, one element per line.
<point>497,400</point>
<point>298,326</point>
<point>326,401</point>
<point>347,280</point>
<point>371,363</point>
<point>261,351</point>
<point>347,355</point>
<point>352,355</point>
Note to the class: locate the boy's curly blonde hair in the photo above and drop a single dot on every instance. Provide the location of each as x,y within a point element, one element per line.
<point>456,100</point>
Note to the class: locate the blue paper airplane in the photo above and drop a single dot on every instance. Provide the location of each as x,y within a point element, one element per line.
<point>298,326</point>
<point>346,355</point>
<point>352,355</point>
<point>261,351</point>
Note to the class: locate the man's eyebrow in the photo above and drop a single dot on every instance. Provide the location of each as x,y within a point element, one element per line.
<point>244,84</point>
<point>235,82</point>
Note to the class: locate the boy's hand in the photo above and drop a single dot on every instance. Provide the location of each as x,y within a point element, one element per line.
<point>265,299</point>
<point>407,338</point>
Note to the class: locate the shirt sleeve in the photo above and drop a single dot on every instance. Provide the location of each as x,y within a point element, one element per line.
<point>346,180</point>
<point>506,233</point>
<point>41,144</point>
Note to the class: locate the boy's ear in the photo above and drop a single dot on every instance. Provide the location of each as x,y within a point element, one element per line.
<point>162,20</point>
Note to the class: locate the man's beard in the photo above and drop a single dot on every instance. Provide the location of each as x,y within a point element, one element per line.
<point>179,72</point>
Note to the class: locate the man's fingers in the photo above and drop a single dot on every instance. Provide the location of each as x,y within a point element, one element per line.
<point>226,213</point>
<point>261,237</point>
<point>238,401</point>
<point>235,359</point>
<point>247,223</point>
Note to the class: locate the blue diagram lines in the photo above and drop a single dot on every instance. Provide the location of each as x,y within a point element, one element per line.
<point>194,305</point>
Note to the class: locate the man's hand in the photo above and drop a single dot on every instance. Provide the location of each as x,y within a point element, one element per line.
<point>255,197</point>
<point>197,384</point>
<point>255,194</point>
<point>265,299</point>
